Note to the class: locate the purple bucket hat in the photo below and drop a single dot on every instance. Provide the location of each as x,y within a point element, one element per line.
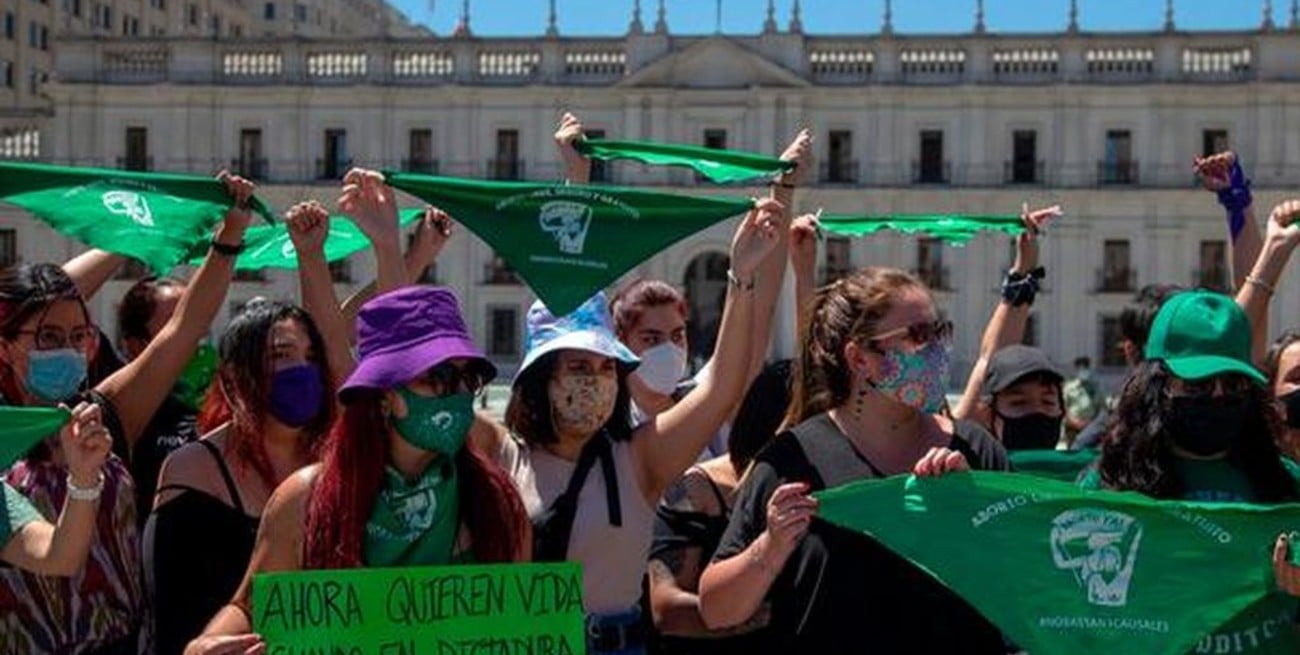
<point>406,332</point>
<point>589,328</point>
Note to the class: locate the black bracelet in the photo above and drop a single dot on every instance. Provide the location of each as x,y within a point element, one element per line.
<point>1020,289</point>
<point>782,185</point>
<point>227,249</point>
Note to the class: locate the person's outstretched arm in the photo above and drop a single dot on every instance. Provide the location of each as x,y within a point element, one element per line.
<point>1260,286</point>
<point>309,226</point>
<point>1222,174</point>
<point>577,168</point>
<point>91,269</point>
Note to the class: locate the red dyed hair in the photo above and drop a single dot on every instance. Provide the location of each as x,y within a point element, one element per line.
<point>352,473</point>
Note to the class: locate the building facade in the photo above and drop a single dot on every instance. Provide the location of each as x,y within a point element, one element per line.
<point>1105,124</point>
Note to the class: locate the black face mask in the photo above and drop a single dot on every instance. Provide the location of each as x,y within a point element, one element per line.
<point>1031,432</point>
<point>1291,402</point>
<point>1205,425</point>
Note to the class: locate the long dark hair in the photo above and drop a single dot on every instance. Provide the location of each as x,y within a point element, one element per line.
<point>528,414</point>
<point>242,390</point>
<point>28,290</point>
<point>1138,453</point>
<point>352,473</point>
<point>760,414</point>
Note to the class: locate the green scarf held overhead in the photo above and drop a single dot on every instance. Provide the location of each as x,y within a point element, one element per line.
<point>157,218</point>
<point>1062,570</point>
<point>269,246</point>
<point>720,166</point>
<point>569,241</point>
<point>24,427</point>
<point>955,229</point>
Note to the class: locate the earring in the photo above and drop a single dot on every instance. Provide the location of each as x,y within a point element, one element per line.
<point>860,401</point>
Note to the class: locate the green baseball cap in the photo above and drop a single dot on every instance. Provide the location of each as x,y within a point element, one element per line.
<point>1200,334</point>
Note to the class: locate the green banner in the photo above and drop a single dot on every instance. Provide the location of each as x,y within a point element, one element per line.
<point>720,166</point>
<point>569,241</point>
<point>1065,570</point>
<point>157,218</point>
<point>269,246</point>
<point>1063,465</point>
<point>24,427</point>
<point>956,229</point>
<point>439,610</point>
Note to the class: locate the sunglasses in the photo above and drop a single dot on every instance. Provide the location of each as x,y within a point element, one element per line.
<point>919,333</point>
<point>1230,385</point>
<point>450,379</point>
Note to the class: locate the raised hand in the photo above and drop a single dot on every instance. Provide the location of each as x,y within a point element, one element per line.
<point>577,167</point>
<point>85,443</point>
<point>800,152</point>
<point>803,244</point>
<point>309,227</point>
<point>940,461</point>
<point>1215,171</point>
<point>755,238</point>
<point>1282,223</point>
<point>241,190</point>
<point>370,203</point>
<point>431,236</point>
<point>1027,241</point>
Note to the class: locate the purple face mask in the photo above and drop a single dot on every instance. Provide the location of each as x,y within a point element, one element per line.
<point>296,395</point>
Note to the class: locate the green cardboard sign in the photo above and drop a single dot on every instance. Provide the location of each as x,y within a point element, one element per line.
<point>439,610</point>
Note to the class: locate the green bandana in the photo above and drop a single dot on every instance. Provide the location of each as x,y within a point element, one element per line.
<point>25,427</point>
<point>269,246</point>
<point>193,383</point>
<point>1063,465</point>
<point>569,241</point>
<point>1064,570</point>
<point>157,218</point>
<point>720,166</point>
<point>415,524</point>
<point>955,229</point>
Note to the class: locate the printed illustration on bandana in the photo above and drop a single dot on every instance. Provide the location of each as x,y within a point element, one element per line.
<point>129,204</point>
<point>568,222</point>
<point>1100,547</point>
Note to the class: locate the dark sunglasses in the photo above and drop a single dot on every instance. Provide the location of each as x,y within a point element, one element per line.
<point>449,379</point>
<point>919,333</point>
<point>1232,385</point>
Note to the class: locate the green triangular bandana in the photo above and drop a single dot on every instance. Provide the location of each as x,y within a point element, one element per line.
<point>269,246</point>
<point>955,229</point>
<point>24,427</point>
<point>1063,465</point>
<point>1064,570</point>
<point>157,218</point>
<point>720,166</point>
<point>568,241</point>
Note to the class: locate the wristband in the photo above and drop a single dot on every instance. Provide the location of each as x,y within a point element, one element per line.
<point>783,185</point>
<point>1264,286</point>
<point>735,281</point>
<point>88,494</point>
<point>227,249</point>
<point>1236,198</point>
<point>1019,289</point>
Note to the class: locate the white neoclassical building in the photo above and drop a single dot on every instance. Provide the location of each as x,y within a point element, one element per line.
<point>1106,124</point>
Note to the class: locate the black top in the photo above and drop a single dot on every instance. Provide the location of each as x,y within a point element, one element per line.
<point>196,550</point>
<point>173,425</point>
<point>841,591</point>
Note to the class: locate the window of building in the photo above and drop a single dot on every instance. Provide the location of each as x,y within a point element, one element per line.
<point>341,271</point>
<point>1110,352</point>
<point>1117,166</point>
<point>506,165</point>
<point>336,161</point>
<point>216,25</point>
<point>929,263</point>
<point>497,271</point>
<point>10,25</point>
<point>268,11</point>
<point>192,12</point>
<point>1031,331</point>
<point>8,247</point>
<point>715,138</point>
<point>1214,142</point>
<point>840,167</point>
<point>251,164</point>
<point>137,149</point>
<point>7,68</point>
<point>420,151</point>
<point>839,259</point>
<point>1212,271</point>
<point>503,331</point>
<point>34,79</point>
<point>1024,158</point>
<point>34,34</point>
<point>300,12</point>
<point>1116,267</point>
<point>599,168</point>
<point>932,169</point>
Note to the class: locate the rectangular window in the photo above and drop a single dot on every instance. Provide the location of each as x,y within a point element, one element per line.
<point>216,25</point>
<point>420,151</point>
<point>1212,273</point>
<point>1214,142</point>
<point>840,166</point>
<point>506,165</point>
<point>251,164</point>
<point>137,149</point>
<point>335,162</point>
<point>1117,166</point>
<point>193,14</point>
<point>1116,267</point>
<point>496,271</point>
<point>10,25</point>
<point>33,35</point>
<point>341,271</point>
<point>1110,352</point>
<point>715,138</point>
<point>1024,157</point>
<point>929,263</point>
<point>34,79</point>
<point>503,331</point>
<point>8,247</point>
<point>599,168</point>
<point>839,259</point>
<point>7,68</point>
<point>268,11</point>
<point>1031,331</point>
<point>932,169</point>
<point>300,12</point>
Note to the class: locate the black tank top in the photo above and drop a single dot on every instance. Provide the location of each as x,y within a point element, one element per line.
<point>196,551</point>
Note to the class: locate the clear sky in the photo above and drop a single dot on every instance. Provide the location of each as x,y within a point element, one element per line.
<point>605,17</point>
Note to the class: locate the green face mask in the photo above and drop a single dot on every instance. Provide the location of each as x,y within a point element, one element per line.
<point>437,424</point>
<point>197,376</point>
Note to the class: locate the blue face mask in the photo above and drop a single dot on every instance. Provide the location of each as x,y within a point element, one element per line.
<point>55,375</point>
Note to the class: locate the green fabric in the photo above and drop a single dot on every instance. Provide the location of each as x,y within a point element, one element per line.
<point>1063,465</point>
<point>18,513</point>
<point>192,385</point>
<point>269,246</point>
<point>569,241</point>
<point>1200,334</point>
<point>415,523</point>
<point>721,166</point>
<point>1065,570</point>
<point>24,427</point>
<point>956,229</point>
<point>157,218</point>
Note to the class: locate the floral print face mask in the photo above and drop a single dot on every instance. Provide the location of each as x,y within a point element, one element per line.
<point>916,379</point>
<point>582,404</point>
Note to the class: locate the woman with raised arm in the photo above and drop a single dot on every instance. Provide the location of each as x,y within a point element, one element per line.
<point>385,463</point>
<point>867,395</point>
<point>46,342</point>
<point>568,411</point>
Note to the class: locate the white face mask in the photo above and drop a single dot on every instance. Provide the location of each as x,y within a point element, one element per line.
<point>662,367</point>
